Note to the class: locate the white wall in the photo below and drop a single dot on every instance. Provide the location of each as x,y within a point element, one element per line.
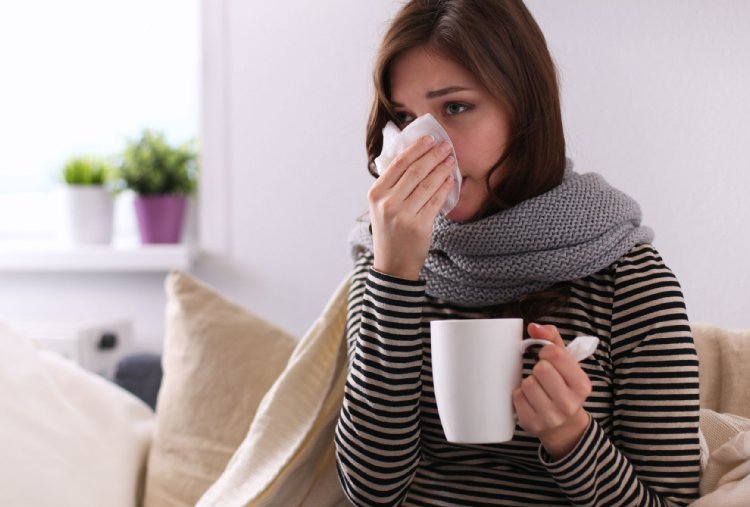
<point>654,96</point>
<point>298,95</point>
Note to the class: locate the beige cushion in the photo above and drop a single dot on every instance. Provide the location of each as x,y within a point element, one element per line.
<point>725,406</point>
<point>288,457</point>
<point>724,358</point>
<point>219,360</point>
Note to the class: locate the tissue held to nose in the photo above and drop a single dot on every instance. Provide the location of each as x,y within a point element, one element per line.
<point>395,141</point>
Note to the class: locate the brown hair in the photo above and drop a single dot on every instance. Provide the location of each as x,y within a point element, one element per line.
<point>530,307</point>
<point>500,43</point>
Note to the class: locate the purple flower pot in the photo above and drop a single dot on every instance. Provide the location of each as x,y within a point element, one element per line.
<point>160,217</point>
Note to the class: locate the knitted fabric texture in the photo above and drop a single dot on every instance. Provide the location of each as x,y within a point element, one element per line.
<point>576,229</point>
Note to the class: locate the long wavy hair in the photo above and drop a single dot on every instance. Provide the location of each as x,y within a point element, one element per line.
<point>500,43</point>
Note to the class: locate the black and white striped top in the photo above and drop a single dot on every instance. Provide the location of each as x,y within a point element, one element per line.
<point>640,449</point>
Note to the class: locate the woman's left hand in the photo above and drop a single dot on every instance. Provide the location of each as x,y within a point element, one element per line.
<point>549,403</point>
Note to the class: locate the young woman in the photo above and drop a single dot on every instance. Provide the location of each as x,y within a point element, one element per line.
<point>528,238</point>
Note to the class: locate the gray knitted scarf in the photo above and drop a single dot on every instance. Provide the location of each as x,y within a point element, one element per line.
<point>578,228</point>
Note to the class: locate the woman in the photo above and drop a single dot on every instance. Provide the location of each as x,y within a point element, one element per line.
<point>528,238</point>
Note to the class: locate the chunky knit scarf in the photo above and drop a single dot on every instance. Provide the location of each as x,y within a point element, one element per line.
<point>578,228</point>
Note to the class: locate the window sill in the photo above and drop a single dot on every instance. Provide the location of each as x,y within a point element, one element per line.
<point>126,258</point>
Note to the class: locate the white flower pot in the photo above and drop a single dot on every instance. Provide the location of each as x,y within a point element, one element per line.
<point>89,214</point>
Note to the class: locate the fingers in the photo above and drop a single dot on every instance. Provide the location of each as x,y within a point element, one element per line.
<point>570,370</point>
<point>548,332</point>
<point>404,202</point>
<point>393,173</point>
<point>420,170</point>
<point>561,359</point>
<point>414,177</point>
<point>431,189</point>
<point>544,402</point>
<point>556,391</point>
<point>434,203</point>
<point>527,417</point>
<point>553,392</point>
<point>541,413</point>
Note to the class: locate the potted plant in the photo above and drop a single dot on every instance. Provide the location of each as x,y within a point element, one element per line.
<point>88,200</point>
<point>163,177</point>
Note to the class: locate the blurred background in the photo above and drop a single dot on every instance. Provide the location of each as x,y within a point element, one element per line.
<point>276,96</point>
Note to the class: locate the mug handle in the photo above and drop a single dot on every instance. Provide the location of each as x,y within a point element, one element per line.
<point>525,344</point>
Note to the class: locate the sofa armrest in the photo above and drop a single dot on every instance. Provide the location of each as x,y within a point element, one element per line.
<point>140,374</point>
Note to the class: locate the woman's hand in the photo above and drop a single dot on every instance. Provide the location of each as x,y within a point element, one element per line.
<point>550,401</point>
<point>404,202</point>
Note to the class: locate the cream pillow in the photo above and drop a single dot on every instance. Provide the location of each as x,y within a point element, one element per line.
<point>219,360</point>
<point>288,457</point>
<point>724,355</point>
<point>67,436</point>
<point>725,480</point>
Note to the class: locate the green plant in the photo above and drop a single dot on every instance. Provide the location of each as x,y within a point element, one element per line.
<point>87,170</point>
<point>150,166</point>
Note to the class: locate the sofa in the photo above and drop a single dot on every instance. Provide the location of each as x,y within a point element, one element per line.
<point>244,414</point>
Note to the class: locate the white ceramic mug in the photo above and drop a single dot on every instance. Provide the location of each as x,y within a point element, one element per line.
<point>476,366</point>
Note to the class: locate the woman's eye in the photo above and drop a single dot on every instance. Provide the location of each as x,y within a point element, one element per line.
<point>403,118</point>
<point>456,108</point>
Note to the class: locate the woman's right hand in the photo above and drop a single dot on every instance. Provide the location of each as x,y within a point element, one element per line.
<point>404,202</point>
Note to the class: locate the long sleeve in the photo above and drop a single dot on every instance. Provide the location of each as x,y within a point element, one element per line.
<point>652,457</point>
<point>377,435</point>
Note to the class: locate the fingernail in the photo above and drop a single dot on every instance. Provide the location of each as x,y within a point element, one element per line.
<point>536,326</point>
<point>445,147</point>
<point>450,161</point>
<point>428,140</point>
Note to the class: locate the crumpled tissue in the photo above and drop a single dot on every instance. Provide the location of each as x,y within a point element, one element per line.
<point>395,141</point>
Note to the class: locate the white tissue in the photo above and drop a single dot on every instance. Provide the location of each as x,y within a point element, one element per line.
<point>395,141</point>
<point>583,346</point>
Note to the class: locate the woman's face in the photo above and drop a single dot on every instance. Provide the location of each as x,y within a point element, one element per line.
<point>424,81</point>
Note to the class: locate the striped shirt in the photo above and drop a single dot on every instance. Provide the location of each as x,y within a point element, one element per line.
<point>640,448</point>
